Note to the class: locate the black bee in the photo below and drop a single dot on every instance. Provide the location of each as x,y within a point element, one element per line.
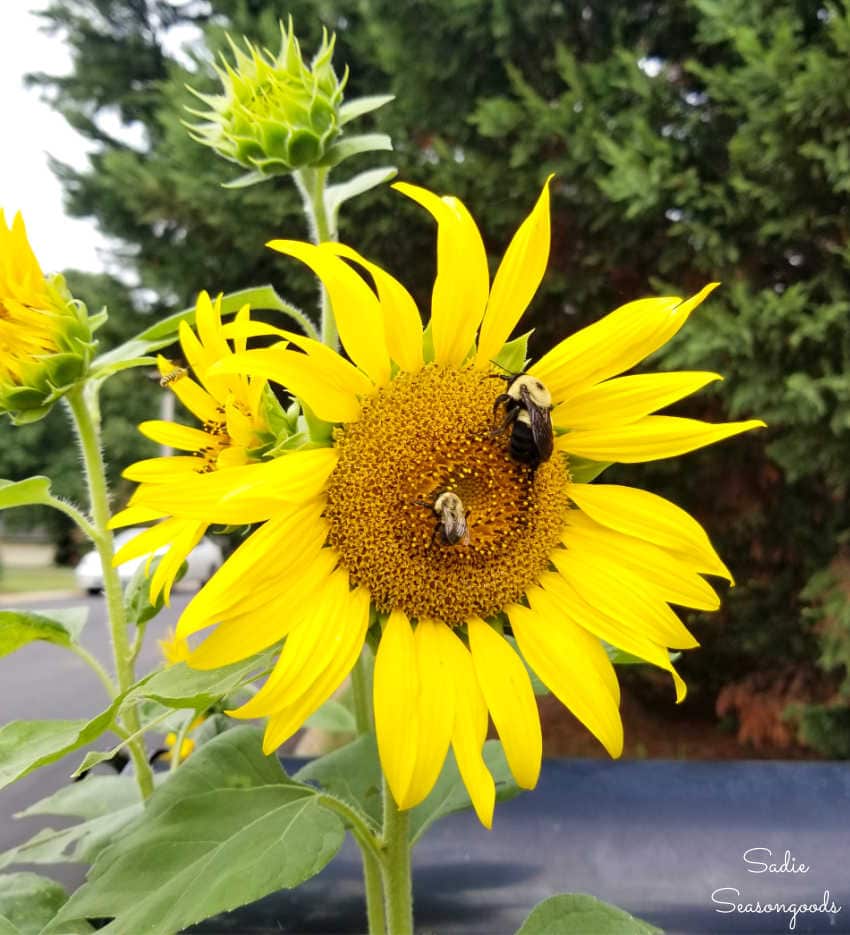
<point>451,527</point>
<point>528,405</point>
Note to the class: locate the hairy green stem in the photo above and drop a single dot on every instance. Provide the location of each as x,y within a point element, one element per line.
<point>395,866</point>
<point>360,694</point>
<point>75,515</point>
<point>311,184</point>
<point>375,913</point>
<point>96,667</point>
<point>83,403</point>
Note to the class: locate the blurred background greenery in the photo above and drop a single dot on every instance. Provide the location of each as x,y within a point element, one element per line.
<point>692,140</point>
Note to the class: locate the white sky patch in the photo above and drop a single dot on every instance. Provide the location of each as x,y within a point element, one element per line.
<point>31,131</point>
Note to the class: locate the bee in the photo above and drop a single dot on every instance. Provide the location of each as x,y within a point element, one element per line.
<point>451,527</point>
<point>173,376</point>
<point>527,405</point>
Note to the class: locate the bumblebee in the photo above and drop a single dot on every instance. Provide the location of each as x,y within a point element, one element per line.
<point>451,527</point>
<point>527,405</point>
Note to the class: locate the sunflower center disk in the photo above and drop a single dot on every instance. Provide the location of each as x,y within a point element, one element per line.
<point>425,434</point>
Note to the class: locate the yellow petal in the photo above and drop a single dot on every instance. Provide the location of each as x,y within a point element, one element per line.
<point>249,629</point>
<point>507,690</point>
<point>194,397</point>
<point>615,343</point>
<point>285,722</point>
<point>402,324</point>
<point>355,307</point>
<point>649,439</point>
<point>251,574</point>
<point>627,399</point>
<point>645,515</point>
<point>317,382</point>
<point>169,565</point>
<point>395,690</point>
<point>162,470</point>
<point>435,712</point>
<point>572,663</point>
<point>624,595</point>
<point>243,495</point>
<point>463,280</point>
<point>613,631</point>
<point>149,540</point>
<point>176,436</point>
<point>517,279</point>
<point>677,580</point>
<point>470,731</point>
<point>134,516</point>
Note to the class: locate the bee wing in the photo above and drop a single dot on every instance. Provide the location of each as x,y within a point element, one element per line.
<point>540,422</point>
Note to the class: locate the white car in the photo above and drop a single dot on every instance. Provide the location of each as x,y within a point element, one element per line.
<point>203,560</point>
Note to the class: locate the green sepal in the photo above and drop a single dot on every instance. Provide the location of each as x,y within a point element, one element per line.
<point>337,195</point>
<point>355,145</point>
<point>583,471</point>
<point>358,106</point>
<point>578,914</point>
<point>513,357</point>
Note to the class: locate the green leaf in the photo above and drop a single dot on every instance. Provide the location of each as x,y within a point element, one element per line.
<point>246,180</point>
<point>583,471</point>
<point>354,145</point>
<point>137,602</point>
<point>352,773</point>
<point>108,803</point>
<point>19,627</point>
<point>28,902</point>
<point>178,686</point>
<point>333,717</point>
<point>226,829</point>
<point>352,109</point>
<point>27,745</point>
<point>24,492</point>
<point>336,195</point>
<point>117,366</point>
<point>577,914</point>
<point>514,355</point>
<point>620,657</point>
<point>449,793</point>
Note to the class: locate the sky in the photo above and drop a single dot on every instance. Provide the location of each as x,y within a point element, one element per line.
<point>31,131</point>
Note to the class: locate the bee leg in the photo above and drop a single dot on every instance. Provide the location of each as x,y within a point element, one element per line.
<point>510,418</point>
<point>501,399</point>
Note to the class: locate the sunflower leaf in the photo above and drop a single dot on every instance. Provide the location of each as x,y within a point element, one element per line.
<point>577,914</point>
<point>352,773</point>
<point>24,492</point>
<point>28,745</point>
<point>513,356</point>
<point>449,793</point>
<point>28,902</point>
<point>226,829</point>
<point>60,627</point>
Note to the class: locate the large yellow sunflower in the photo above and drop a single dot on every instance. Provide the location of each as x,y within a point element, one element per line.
<point>549,571</point>
<point>234,431</point>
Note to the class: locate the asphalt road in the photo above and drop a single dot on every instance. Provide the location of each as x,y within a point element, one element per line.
<point>42,681</point>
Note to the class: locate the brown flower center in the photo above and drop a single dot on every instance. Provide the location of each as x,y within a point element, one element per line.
<point>424,434</point>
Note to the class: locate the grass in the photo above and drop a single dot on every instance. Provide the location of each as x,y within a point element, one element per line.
<point>16,580</point>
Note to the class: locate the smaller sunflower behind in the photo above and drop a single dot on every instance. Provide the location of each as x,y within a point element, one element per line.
<point>235,414</point>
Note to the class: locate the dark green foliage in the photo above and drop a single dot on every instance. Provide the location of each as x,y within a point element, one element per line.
<point>691,141</point>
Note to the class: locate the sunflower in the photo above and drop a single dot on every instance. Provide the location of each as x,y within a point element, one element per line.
<point>234,432</point>
<point>551,572</point>
<point>45,337</point>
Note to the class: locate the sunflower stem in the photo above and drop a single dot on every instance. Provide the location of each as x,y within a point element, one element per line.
<point>83,402</point>
<point>360,695</point>
<point>374,894</point>
<point>395,867</point>
<point>311,184</point>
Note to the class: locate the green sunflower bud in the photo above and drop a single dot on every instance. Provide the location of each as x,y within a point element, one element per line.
<point>45,334</point>
<point>276,114</point>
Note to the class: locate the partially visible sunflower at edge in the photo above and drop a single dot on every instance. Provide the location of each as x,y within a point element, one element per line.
<point>234,431</point>
<point>45,334</point>
<point>551,570</point>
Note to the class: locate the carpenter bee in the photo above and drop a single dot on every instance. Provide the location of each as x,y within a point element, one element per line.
<point>451,527</point>
<point>527,405</point>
